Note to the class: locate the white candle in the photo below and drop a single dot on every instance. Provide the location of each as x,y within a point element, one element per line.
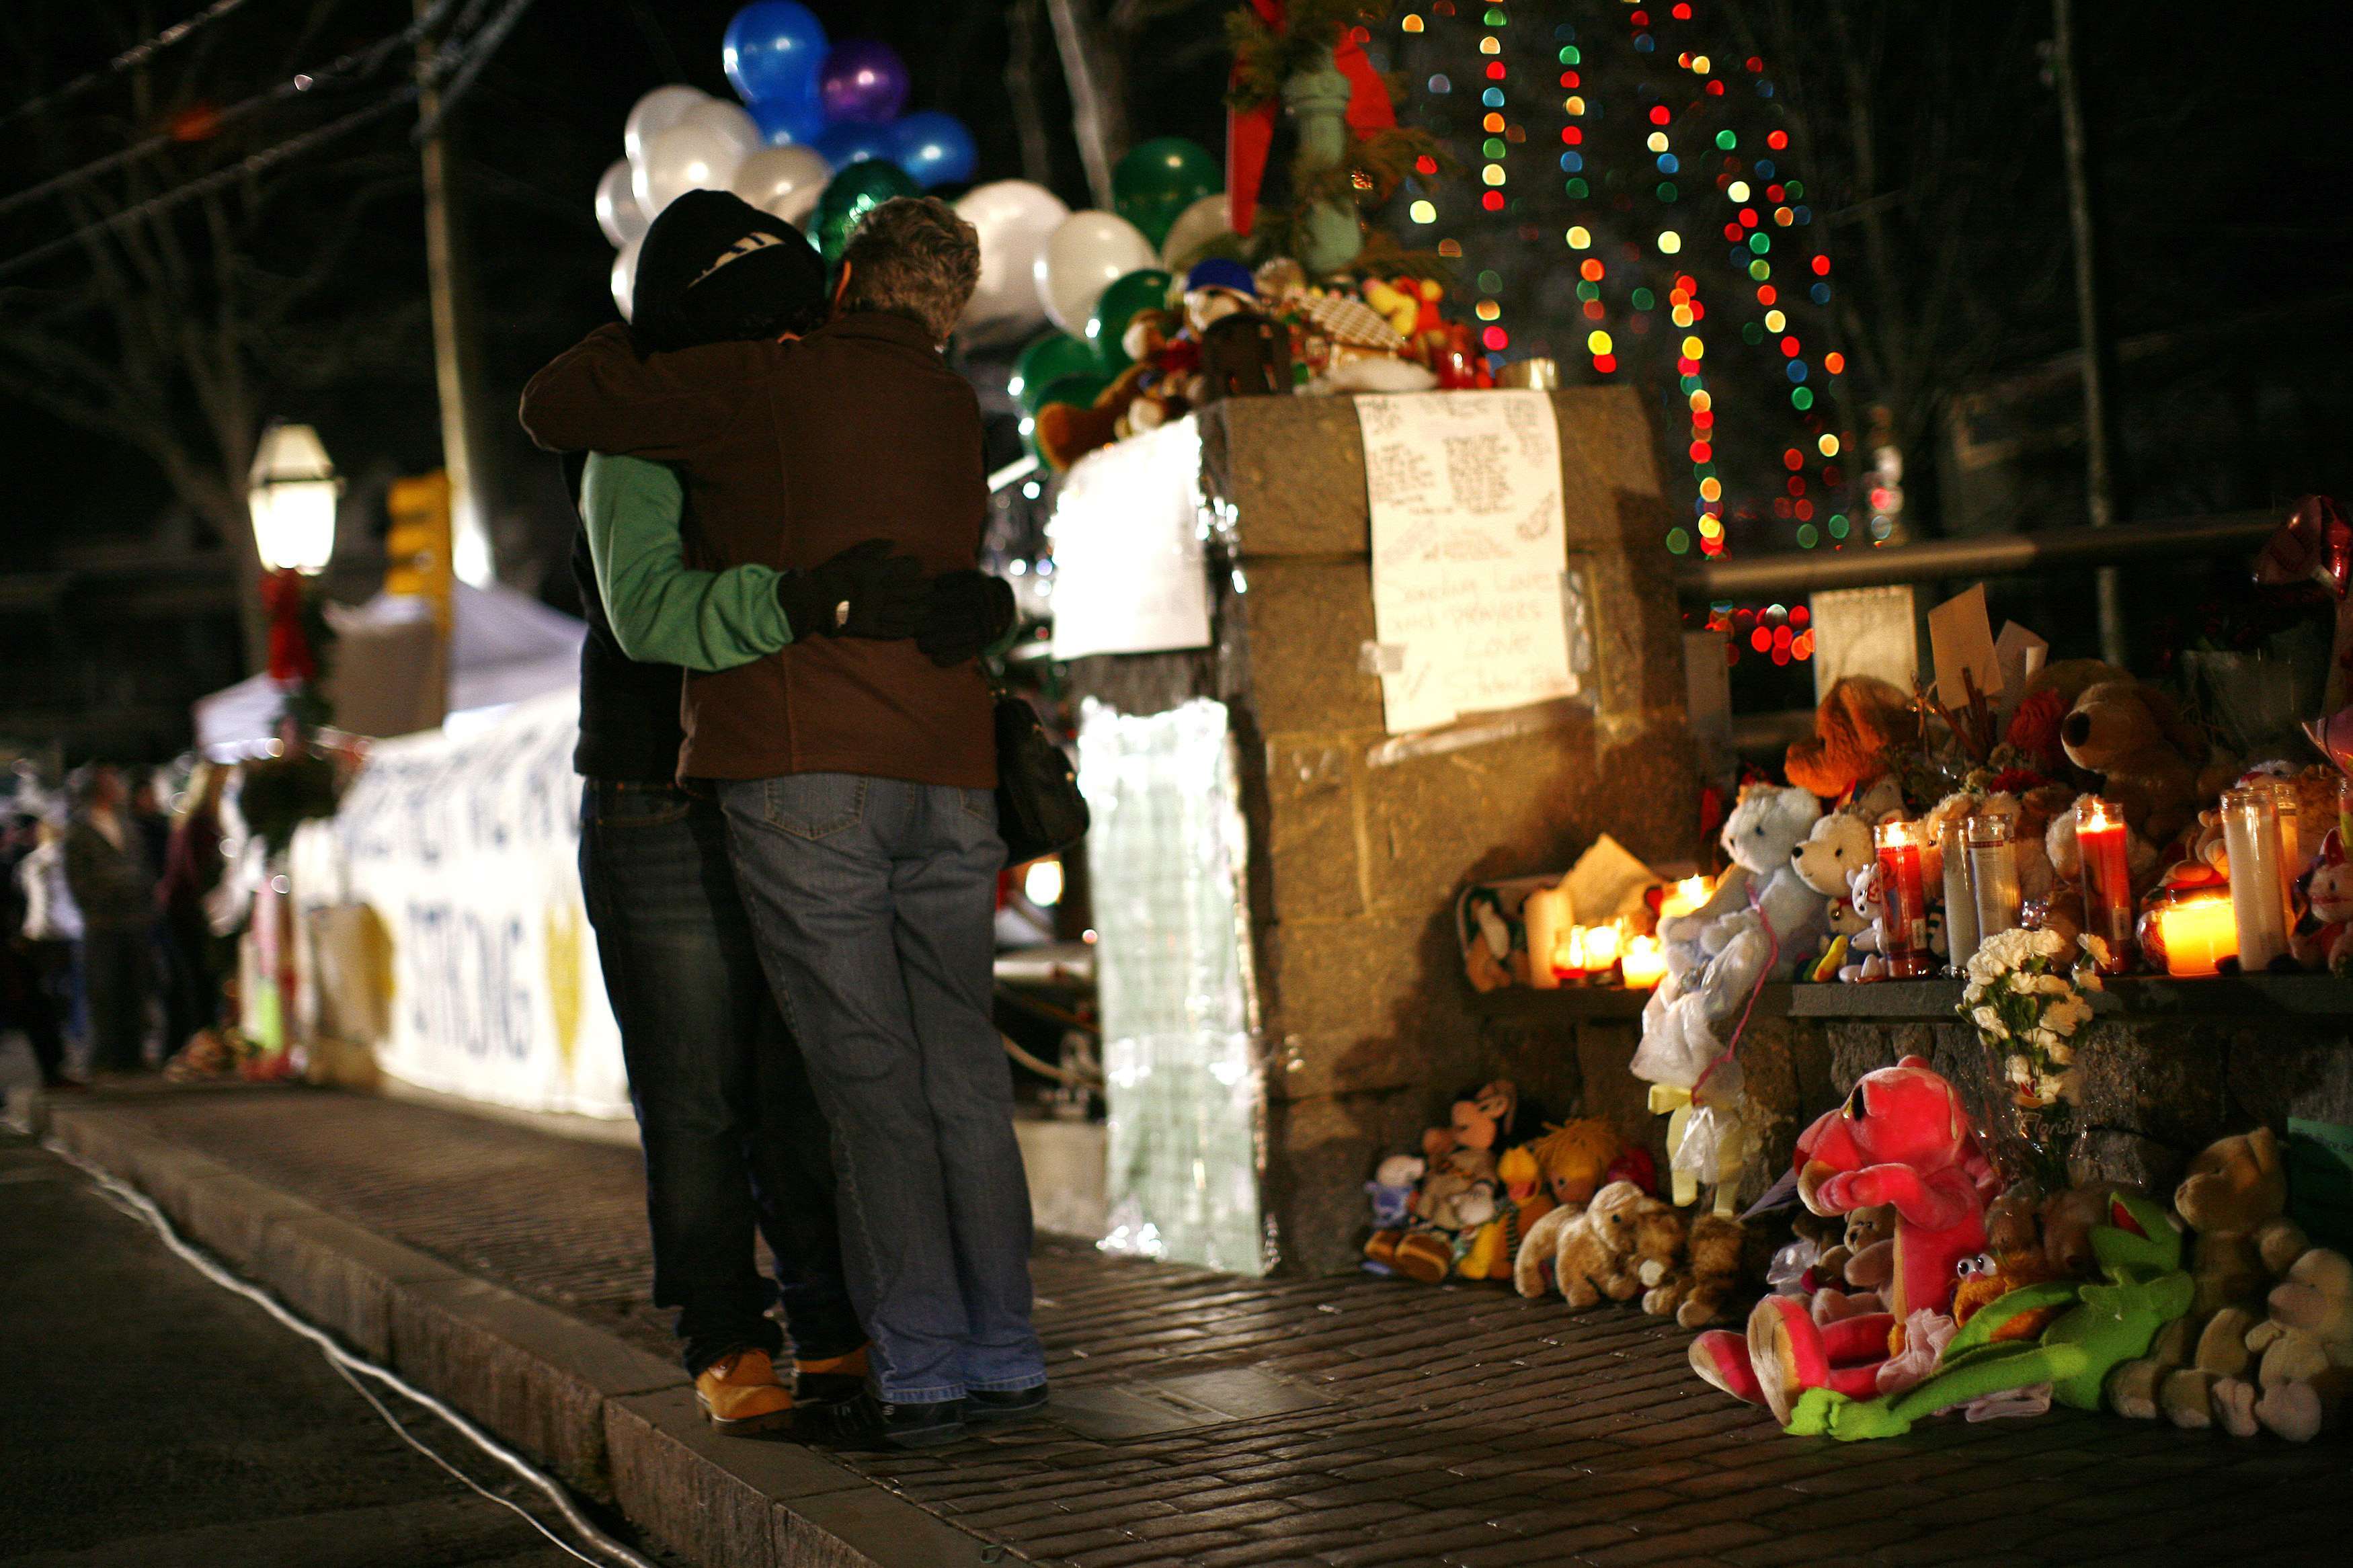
<point>1549,919</point>
<point>2250,837</point>
<point>1993,874</point>
<point>1960,898</point>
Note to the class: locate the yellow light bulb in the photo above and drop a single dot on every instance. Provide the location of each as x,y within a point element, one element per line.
<point>1670,242</point>
<point>1598,342</point>
<point>1579,238</point>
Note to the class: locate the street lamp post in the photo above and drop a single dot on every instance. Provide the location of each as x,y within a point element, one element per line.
<point>292,498</point>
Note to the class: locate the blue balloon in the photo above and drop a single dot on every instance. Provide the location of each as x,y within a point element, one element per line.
<point>843,145</point>
<point>774,49</point>
<point>935,149</point>
<point>784,121</point>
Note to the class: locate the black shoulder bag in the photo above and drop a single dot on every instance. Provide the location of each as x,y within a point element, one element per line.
<point>1039,807</point>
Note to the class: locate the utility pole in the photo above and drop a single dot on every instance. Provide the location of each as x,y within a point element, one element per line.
<point>457,345</point>
<point>2099,419</point>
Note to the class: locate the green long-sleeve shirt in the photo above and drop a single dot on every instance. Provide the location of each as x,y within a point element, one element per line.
<point>663,612</point>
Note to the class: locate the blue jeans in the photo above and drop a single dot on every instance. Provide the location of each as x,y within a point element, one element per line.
<point>733,1137</point>
<point>874,899</point>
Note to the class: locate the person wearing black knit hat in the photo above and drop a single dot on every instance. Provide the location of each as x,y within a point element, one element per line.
<point>734,1139</point>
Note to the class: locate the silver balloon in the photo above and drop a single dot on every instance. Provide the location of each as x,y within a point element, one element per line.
<point>654,114</point>
<point>618,213</point>
<point>1013,218</point>
<point>625,276</point>
<point>1087,253</point>
<point>688,156</point>
<point>730,121</point>
<point>783,181</point>
<point>1195,227</point>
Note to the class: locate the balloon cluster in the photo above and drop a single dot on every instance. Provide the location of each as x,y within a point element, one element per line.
<point>818,141</point>
<point>1089,273</point>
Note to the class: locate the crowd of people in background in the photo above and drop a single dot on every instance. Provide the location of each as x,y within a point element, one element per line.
<point>108,960</point>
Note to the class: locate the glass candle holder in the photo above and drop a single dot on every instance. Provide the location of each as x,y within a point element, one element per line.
<point>1993,873</point>
<point>1903,895</point>
<point>1960,898</point>
<point>2294,856</point>
<point>2108,878</point>
<point>2251,836</point>
<point>2345,810</point>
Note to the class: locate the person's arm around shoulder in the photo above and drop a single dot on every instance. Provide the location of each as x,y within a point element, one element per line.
<point>601,395</point>
<point>662,611</point>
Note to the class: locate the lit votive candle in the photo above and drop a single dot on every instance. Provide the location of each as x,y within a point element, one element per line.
<point>1900,890</point>
<point>1993,873</point>
<point>2194,931</point>
<point>1547,917</point>
<point>1645,964</point>
<point>2107,881</point>
<point>1601,948</point>
<point>1685,897</point>
<point>2250,837</point>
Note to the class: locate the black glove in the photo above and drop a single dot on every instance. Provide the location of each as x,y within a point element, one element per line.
<point>965,613</point>
<point>864,592</point>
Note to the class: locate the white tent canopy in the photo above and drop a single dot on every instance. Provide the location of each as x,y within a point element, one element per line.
<point>505,648</point>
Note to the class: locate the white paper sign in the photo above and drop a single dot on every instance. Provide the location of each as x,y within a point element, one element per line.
<point>1468,546</point>
<point>1128,573</point>
<point>468,849</point>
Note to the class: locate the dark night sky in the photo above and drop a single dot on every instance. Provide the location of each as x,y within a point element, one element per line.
<point>2222,174</point>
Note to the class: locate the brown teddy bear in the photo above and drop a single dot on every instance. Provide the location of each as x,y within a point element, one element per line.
<point>1593,1252</point>
<point>1659,1235</point>
<point>2149,758</point>
<point>1861,719</point>
<point>1712,1266</point>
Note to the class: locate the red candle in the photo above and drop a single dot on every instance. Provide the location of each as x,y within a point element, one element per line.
<point>2107,881</point>
<point>1905,921</point>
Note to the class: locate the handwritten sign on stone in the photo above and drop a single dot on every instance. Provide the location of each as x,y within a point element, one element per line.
<point>1469,545</point>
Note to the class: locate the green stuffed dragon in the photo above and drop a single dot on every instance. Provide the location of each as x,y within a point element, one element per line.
<point>2102,1327</point>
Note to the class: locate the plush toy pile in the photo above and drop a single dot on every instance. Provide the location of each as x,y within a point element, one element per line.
<point>1945,1292</point>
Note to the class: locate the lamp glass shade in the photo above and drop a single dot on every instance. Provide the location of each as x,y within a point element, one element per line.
<point>293,499</point>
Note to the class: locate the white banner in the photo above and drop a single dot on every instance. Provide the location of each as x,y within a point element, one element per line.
<point>1128,573</point>
<point>468,849</point>
<point>1469,545</point>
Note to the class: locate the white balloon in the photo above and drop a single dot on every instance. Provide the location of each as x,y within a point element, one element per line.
<point>783,181</point>
<point>655,113</point>
<point>1197,224</point>
<point>625,276</point>
<point>681,159</point>
<point>730,121</point>
<point>1013,218</point>
<point>1086,253</point>
<point>618,213</point>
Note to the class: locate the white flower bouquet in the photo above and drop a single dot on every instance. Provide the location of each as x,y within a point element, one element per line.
<point>2027,1008</point>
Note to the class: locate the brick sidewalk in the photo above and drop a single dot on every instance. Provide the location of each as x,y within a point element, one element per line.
<point>1204,1419</point>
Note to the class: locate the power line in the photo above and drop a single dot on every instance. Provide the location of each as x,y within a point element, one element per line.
<point>479,51</point>
<point>155,207</point>
<point>137,54</point>
<point>357,65</point>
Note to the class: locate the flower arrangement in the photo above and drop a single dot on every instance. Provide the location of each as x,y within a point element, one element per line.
<point>2026,1008</point>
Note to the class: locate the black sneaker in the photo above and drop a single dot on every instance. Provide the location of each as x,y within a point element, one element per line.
<point>865,1422</point>
<point>983,1406</point>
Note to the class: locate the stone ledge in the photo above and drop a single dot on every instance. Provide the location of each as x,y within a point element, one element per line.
<point>612,1420</point>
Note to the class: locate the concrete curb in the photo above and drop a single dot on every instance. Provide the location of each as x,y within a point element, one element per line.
<point>615,1423</point>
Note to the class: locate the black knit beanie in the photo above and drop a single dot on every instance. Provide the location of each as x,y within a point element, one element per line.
<point>715,269</point>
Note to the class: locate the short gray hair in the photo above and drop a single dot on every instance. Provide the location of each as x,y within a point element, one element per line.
<point>913,257</point>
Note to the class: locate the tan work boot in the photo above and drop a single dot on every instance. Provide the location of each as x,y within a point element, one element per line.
<point>830,1379</point>
<point>741,1394</point>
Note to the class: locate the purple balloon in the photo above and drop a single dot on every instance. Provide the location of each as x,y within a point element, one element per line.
<point>863,82</point>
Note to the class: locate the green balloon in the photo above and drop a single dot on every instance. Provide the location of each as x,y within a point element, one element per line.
<point>1047,360</point>
<point>1158,179</point>
<point>849,197</point>
<point>1147,289</point>
<point>1080,390</point>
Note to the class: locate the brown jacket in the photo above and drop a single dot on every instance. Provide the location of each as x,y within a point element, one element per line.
<point>792,452</point>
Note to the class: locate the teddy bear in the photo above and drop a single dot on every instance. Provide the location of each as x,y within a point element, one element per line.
<point>1659,1236</point>
<point>1710,1278</point>
<point>1866,949</point>
<point>2234,1199</point>
<point>1834,850</point>
<point>1765,828</point>
<point>2302,1376</point>
<point>2149,758</point>
<point>2066,856</point>
<point>2322,939</point>
<point>1593,1251</point>
<point>1861,719</point>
